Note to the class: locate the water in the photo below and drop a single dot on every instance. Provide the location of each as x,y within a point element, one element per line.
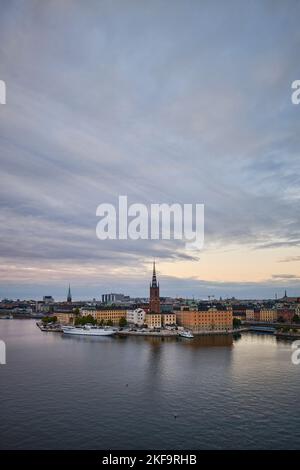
<point>109,393</point>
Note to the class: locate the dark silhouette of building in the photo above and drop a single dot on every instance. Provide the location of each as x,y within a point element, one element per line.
<point>154,293</point>
<point>69,298</point>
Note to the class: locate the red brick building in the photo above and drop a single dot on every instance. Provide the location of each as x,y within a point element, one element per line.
<point>154,293</point>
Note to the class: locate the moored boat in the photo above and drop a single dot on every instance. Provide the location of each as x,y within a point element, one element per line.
<point>88,331</point>
<point>186,334</point>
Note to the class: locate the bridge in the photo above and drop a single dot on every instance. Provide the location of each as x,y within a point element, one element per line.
<point>263,327</point>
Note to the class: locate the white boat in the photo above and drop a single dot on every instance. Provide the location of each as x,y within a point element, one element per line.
<point>88,331</point>
<point>186,334</point>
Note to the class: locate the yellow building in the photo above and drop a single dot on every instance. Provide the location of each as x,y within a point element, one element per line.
<point>168,318</point>
<point>113,315</point>
<point>268,315</point>
<point>212,319</point>
<point>153,320</point>
<point>250,314</point>
<point>65,318</point>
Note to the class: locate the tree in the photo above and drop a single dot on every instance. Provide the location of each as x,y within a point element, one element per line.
<point>78,321</point>
<point>122,322</point>
<point>90,319</point>
<point>109,323</point>
<point>281,319</point>
<point>48,319</point>
<point>236,323</point>
<point>296,318</point>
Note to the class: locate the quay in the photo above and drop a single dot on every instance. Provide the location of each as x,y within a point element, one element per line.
<point>287,335</point>
<point>162,333</point>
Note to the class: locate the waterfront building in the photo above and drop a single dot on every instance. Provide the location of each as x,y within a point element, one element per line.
<point>250,314</point>
<point>136,317</point>
<point>257,314</point>
<point>268,315</point>
<point>168,318</point>
<point>65,318</point>
<point>153,320</point>
<point>111,315</point>
<point>286,314</point>
<point>239,311</point>
<point>208,319</point>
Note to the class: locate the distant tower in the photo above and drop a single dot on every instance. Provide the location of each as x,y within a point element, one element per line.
<point>69,298</point>
<point>285,294</point>
<point>154,293</point>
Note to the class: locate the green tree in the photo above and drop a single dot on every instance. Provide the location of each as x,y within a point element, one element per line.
<point>236,323</point>
<point>296,318</point>
<point>49,319</point>
<point>78,321</point>
<point>122,322</point>
<point>90,319</point>
<point>109,323</point>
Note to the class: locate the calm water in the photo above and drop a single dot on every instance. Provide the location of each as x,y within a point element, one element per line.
<point>62,392</point>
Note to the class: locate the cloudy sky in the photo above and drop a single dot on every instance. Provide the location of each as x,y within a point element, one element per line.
<point>162,101</point>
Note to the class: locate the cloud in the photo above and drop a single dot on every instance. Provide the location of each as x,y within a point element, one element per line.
<point>184,105</point>
<point>284,276</point>
<point>289,259</point>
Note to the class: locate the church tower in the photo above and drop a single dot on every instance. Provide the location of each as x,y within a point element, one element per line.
<point>154,293</point>
<point>69,298</point>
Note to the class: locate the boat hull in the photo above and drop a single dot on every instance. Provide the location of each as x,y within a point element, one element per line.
<point>91,332</point>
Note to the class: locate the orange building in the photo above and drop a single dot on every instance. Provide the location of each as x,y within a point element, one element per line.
<point>211,319</point>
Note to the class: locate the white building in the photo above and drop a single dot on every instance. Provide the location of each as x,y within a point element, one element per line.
<point>136,317</point>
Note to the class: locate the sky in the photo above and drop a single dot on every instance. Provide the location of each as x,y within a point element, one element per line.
<point>162,101</point>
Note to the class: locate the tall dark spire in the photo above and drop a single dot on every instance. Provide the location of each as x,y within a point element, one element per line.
<point>69,298</point>
<point>154,280</point>
<point>154,293</point>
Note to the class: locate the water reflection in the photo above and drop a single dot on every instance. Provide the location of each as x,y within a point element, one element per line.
<point>209,341</point>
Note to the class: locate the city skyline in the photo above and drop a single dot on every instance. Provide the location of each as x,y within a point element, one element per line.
<point>143,101</point>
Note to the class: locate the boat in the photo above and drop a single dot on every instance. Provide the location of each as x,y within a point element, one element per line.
<point>88,330</point>
<point>186,334</point>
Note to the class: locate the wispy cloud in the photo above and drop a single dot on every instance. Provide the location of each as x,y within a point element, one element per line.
<point>162,104</point>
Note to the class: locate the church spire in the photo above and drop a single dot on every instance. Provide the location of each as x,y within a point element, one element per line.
<point>154,303</point>
<point>69,298</point>
<point>154,280</point>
